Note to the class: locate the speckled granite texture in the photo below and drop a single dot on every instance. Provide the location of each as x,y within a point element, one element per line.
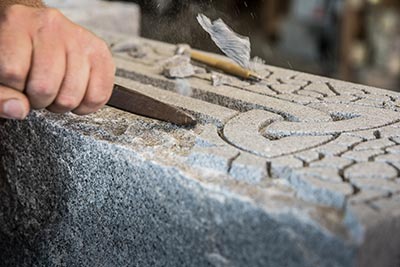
<point>297,170</point>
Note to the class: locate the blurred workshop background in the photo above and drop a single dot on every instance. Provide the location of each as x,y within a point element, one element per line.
<point>354,40</point>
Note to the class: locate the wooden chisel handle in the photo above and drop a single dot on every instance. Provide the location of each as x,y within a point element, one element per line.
<point>226,66</point>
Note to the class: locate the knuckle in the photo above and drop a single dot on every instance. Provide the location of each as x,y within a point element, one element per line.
<point>97,102</point>
<point>41,89</point>
<point>67,102</point>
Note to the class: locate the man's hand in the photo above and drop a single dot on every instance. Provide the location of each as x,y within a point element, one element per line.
<point>46,61</point>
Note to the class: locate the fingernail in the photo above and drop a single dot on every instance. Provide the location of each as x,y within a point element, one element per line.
<point>13,109</point>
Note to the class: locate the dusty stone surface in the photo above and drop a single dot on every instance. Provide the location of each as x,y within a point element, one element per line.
<point>296,170</point>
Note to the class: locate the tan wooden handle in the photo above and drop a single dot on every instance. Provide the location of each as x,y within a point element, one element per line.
<point>226,66</point>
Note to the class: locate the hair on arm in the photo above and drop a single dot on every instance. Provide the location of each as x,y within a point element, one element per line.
<point>31,3</point>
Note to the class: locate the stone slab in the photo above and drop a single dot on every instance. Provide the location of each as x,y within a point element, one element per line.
<point>281,177</point>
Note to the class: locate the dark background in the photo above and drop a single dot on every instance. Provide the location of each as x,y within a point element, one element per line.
<point>355,40</point>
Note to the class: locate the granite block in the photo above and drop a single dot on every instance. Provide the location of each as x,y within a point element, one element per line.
<point>264,179</point>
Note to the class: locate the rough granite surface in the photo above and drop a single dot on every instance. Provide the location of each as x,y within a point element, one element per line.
<point>296,170</point>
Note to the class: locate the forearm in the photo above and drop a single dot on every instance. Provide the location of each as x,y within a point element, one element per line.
<point>32,3</point>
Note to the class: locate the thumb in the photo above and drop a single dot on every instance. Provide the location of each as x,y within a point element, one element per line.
<point>13,104</point>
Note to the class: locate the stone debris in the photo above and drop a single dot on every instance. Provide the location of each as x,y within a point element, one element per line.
<point>183,50</point>
<point>269,176</point>
<point>178,66</point>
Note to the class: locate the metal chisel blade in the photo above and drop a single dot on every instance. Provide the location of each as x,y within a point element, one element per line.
<point>135,102</point>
